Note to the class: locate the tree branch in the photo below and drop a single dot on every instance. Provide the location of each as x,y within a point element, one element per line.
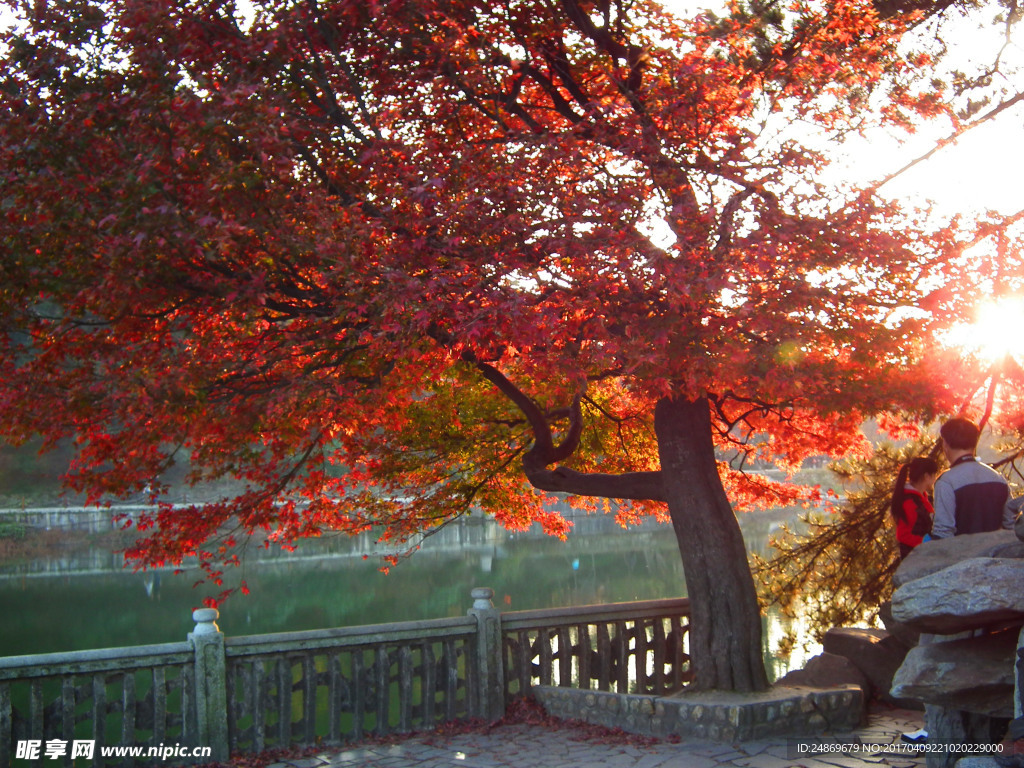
<point>637,486</point>
<point>952,138</point>
<point>543,445</point>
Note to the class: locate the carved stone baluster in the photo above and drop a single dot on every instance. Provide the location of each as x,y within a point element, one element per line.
<point>604,654</point>
<point>334,693</point>
<point>428,662</point>
<point>544,638</point>
<point>308,727</point>
<point>358,694</point>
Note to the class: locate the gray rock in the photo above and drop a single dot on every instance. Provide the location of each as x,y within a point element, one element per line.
<point>1018,696</point>
<point>971,594</point>
<point>1014,550</point>
<point>1016,730</point>
<point>977,762</point>
<point>1002,761</point>
<point>873,651</point>
<point>939,554</point>
<point>850,640</point>
<point>955,727</point>
<point>901,632</point>
<point>973,674</point>
<point>825,671</point>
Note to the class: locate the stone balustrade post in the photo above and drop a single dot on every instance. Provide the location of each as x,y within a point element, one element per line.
<point>211,683</point>
<point>490,692</point>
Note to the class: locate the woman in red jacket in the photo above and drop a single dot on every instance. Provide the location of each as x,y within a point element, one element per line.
<point>911,508</point>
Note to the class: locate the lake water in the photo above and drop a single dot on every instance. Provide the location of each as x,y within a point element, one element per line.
<point>90,602</point>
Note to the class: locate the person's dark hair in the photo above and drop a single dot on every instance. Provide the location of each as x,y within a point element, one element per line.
<point>960,434</point>
<point>913,471</point>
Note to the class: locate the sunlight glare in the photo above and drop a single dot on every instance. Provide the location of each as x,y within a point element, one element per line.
<point>997,330</point>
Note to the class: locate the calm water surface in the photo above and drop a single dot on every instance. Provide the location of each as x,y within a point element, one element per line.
<point>92,603</point>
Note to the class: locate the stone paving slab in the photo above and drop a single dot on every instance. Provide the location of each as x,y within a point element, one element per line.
<point>536,746</point>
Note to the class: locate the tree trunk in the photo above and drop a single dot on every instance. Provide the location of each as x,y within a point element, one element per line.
<point>725,628</point>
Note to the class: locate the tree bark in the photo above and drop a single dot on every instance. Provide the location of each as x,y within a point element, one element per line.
<point>725,627</point>
<point>645,486</point>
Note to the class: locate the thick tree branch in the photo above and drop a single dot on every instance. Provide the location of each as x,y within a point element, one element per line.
<point>727,223</point>
<point>604,40</point>
<point>561,105</point>
<point>543,446</point>
<point>571,442</point>
<point>890,8</point>
<point>637,486</point>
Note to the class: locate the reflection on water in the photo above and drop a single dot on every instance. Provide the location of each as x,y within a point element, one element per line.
<point>337,581</point>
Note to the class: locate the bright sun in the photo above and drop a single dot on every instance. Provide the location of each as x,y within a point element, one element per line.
<point>997,330</point>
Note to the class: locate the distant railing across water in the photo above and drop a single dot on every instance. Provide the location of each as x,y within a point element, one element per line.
<point>332,686</point>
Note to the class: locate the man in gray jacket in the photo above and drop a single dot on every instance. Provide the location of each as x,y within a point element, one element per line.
<point>970,497</point>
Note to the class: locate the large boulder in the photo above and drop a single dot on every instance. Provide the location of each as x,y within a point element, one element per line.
<point>973,674</point>
<point>939,554</point>
<point>980,592</point>
<point>825,671</point>
<point>901,632</point>
<point>874,652</point>
<point>957,728</point>
<point>954,587</point>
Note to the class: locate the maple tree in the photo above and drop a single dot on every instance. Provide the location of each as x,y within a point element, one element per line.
<point>388,263</point>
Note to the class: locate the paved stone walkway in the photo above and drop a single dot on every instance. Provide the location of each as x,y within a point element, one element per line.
<point>535,746</point>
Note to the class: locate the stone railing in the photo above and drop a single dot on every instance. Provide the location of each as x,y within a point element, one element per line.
<point>125,696</point>
<point>625,648</point>
<point>340,685</point>
<point>247,694</point>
